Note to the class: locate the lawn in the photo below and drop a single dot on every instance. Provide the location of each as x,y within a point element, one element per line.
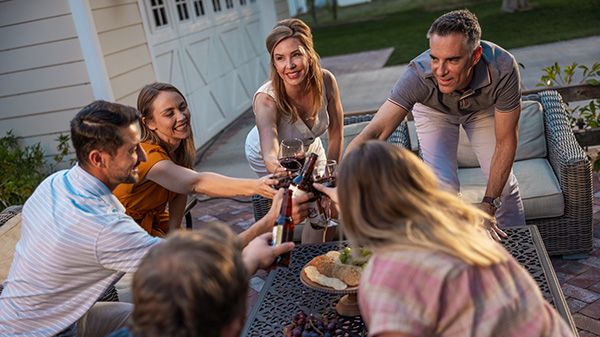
<point>402,24</point>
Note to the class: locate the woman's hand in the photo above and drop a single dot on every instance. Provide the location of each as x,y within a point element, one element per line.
<point>331,192</point>
<point>264,186</point>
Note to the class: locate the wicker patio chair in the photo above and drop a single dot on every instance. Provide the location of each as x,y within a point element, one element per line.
<point>571,233</point>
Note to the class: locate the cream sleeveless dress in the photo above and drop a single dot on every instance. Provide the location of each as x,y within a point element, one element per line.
<point>285,130</point>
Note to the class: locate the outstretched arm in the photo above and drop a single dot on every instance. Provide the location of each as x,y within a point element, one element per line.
<point>265,110</point>
<point>265,225</point>
<point>335,131</point>
<point>185,181</point>
<point>385,121</point>
<point>506,126</point>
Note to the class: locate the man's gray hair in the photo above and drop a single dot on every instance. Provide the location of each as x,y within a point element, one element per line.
<point>460,21</point>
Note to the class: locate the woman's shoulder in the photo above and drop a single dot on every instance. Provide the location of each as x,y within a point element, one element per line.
<point>154,152</point>
<point>328,77</point>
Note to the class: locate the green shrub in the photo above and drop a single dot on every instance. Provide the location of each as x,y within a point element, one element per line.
<point>23,169</point>
<point>584,116</point>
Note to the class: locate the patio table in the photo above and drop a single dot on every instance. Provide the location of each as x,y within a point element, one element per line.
<point>283,293</point>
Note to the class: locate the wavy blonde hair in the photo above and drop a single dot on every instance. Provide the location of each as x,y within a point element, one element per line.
<point>294,28</point>
<point>185,154</point>
<point>390,199</point>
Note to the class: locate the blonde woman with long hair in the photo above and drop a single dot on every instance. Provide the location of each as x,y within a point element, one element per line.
<point>434,269</point>
<point>299,100</point>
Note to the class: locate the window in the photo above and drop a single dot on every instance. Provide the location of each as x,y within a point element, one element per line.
<point>182,10</point>
<point>199,8</point>
<point>216,5</point>
<point>159,12</point>
<point>229,3</point>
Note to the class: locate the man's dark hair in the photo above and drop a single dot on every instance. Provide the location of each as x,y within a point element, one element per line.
<point>192,284</point>
<point>96,127</point>
<point>460,21</point>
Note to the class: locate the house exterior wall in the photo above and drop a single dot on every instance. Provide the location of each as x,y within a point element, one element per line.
<point>43,76</point>
<point>124,47</point>
<point>58,56</point>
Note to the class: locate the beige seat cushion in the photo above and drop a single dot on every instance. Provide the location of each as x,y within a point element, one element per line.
<point>540,191</point>
<point>350,131</point>
<point>532,142</point>
<point>10,233</point>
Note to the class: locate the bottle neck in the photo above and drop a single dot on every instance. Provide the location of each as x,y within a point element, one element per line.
<point>303,178</point>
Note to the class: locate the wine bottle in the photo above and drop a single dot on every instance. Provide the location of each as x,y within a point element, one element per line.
<point>283,230</point>
<point>302,184</point>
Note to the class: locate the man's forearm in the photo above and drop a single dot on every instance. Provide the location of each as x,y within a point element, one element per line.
<point>502,161</point>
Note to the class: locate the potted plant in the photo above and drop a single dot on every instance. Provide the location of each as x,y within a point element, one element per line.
<point>585,119</point>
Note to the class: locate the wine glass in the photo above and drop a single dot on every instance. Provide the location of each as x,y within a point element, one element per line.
<point>291,154</point>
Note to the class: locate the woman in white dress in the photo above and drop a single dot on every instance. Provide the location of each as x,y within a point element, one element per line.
<point>300,100</point>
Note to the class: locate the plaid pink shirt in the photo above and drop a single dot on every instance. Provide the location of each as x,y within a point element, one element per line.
<point>427,293</point>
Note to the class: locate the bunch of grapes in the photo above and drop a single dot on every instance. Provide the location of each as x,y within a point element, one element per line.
<point>308,326</point>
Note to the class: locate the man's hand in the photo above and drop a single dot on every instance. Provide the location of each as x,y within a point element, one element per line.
<point>491,225</point>
<point>259,253</point>
<point>300,207</point>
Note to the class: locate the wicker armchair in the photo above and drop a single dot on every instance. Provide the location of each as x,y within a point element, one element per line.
<point>571,233</point>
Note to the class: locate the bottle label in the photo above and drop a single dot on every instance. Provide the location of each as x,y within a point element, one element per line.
<point>277,235</point>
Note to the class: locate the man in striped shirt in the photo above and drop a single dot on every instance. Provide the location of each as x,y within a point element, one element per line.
<point>76,239</point>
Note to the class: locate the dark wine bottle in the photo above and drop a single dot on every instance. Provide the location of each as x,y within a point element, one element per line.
<point>283,230</point>
<point>303,184</point>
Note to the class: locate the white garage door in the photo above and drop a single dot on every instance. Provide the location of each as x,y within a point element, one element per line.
<point>213,51</point>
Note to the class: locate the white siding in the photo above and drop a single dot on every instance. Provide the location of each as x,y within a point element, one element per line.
<point>124,46</point>
<point>43,79</point>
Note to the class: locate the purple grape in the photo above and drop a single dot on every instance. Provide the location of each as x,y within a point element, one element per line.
<point>295,317</point>
<point>327,334</point>
<point>297,332</point>
<point>301,322</point>
<point>331,326</point>
<point>305,334</point>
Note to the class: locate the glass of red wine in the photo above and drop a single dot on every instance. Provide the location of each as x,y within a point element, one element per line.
<point>291,159</point>
<point>291,154</point>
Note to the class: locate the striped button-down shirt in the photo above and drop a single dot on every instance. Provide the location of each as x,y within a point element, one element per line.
<point>75,242</point>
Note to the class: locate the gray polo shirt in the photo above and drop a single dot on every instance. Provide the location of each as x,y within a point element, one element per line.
<point>496,82</point>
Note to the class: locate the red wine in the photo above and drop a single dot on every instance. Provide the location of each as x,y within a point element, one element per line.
<point>291,163</point>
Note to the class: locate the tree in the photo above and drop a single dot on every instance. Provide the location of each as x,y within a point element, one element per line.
<point>511,6</point>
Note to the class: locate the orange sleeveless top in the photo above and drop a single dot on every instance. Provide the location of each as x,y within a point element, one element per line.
<point>146,201</point>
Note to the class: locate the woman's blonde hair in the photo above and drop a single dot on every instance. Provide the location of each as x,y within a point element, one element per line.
<point>294,28</point>
<point>390,199</point>
<point>185,154</point>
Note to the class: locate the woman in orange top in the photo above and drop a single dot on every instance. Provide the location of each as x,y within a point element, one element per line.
<point>168,176</point>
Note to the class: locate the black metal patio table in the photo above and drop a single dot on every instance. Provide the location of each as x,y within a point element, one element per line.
<point>283,293</point>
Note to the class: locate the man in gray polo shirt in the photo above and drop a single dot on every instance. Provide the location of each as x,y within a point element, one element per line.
<point>461,80</point>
